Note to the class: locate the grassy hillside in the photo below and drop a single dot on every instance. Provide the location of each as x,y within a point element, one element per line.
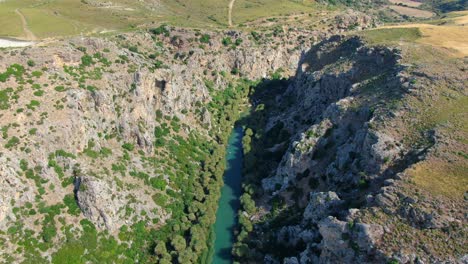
<point>435,49</point>
<point>70,17</point>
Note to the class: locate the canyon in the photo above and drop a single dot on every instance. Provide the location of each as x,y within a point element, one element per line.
<point>338,143</point>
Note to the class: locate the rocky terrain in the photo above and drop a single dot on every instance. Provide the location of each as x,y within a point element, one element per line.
<point>334,157</point>
<point>112,148</point>
<point>99,134</point>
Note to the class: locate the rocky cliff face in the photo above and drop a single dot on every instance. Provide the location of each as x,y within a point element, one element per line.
<point>102,135</point>
<point>342,172</point>
<point>89,126</point>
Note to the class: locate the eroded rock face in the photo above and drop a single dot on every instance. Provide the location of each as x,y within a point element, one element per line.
<point>12,192</point>
<point>342,242</point>
<point>355,20</point>
<point>380,149</point>
<point>320,205</point>
<point>334,247</point>
<point>338,130</point>
<point>368,236</point>
<point>108,206</point>
<point>343,170</point>
<point>122,97</point>
<point>99,202</point>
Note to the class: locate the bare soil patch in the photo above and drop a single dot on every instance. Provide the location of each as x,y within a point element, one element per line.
<point>413,12</point>
<point>406,2</point>
<point>10,43</point>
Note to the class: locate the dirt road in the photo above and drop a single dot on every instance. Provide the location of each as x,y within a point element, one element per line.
<point>28,33</point>
<point>231,5</point>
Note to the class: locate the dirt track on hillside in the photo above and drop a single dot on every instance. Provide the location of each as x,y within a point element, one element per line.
<point>29,35</point>
<point>231,5</point>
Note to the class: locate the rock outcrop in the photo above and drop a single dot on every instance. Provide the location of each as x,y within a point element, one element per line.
<point>342,179</point>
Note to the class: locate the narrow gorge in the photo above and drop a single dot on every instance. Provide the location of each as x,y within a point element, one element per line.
<point>281,146</point>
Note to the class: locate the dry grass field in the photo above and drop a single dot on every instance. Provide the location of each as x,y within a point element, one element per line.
<point>412,12</point>
<point>452,34</point>
<point>461,17</point>
<point>406,3</point>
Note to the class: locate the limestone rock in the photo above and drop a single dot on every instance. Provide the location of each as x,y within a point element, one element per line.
<point>320,205</point>
<point>334,248</point>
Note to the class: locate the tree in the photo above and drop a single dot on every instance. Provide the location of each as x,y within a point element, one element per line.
<point>187,256</point>
<point>160,249</point>
<point>240,250</point>
<point>245,222</point>
<point>198,239</point>
<point>248,203</point>
<point>165,260</point>
<point>179,243</point>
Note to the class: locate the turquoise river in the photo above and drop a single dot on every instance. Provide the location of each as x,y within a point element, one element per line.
<point>226,216</point>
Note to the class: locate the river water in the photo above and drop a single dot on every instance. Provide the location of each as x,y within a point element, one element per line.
<point>226,216</point>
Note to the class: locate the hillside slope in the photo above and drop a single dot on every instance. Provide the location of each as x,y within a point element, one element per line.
<point>52,19</point>
<point>110,146</point>
<point>360,158</point>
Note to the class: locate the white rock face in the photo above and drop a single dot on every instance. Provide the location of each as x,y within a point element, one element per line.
<point>368,235</point>
<point>12,191</point>
<point>320,205</point>
<point>99,202</point>
<point>334,248</point>
<point>107,207</point>
<point>380,149</point>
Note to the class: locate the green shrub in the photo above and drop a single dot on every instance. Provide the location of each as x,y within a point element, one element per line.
<point>59,88</point>
<point>5,98</point>
<point>86,60</point>
<point>158,64</point>
<point>105,152</point>
<point>23,165</point>
<point>227,41</point>
<point>36,74</point>
<point>158,183</point>
<point>205,38</point>
<point>15,70</point>
<point>33,104</point>
<point>70,203</point>
<point>48,233</point>
<point>160,30</point>
<point>39,93</point>
<point>128,146</point>
<point>13,141</point>
<point>63,153</point>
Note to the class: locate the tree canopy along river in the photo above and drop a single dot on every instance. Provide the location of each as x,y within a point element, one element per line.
<point>226,216</point>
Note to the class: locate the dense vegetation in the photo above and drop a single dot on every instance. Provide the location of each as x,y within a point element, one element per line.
<point>259,159</point>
